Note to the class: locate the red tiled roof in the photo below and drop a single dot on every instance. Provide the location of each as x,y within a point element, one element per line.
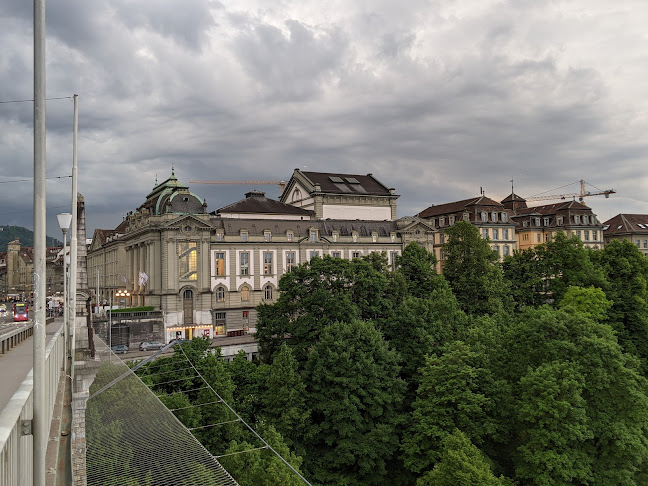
<point>626,223</point>
<point>458,206</point>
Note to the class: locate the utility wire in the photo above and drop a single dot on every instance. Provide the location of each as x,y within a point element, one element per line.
<point>244,422</point>
<point>31,179</point>
<point>30,101</point>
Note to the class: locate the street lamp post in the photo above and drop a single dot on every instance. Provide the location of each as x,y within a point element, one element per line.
<point>64,220</point>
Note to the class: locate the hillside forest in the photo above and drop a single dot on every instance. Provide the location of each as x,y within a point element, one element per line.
<point>530,371</point>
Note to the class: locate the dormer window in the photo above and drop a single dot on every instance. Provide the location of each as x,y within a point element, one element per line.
<point>313,236</point>
<point>244,236</point>
<point>577,219</point>
<point>354,237</point>
<point>484,217</point>
<point>393,237</point>
<point>494,216</point>
<point>525,224</point>
<point>537,221</point>
<point>267,236</point>
<point>451,220</point>
<point>289,235</point>
<point>442,221</point>
<point>374,237</point>
<point>546,221</point>
<point>219,236</point>
<point>560,221</point>
<point>504,217</point>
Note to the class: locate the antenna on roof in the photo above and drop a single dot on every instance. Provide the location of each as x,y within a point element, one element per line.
<point>512,191</point>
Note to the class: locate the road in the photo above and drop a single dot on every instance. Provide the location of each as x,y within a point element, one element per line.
<point>17,363</point>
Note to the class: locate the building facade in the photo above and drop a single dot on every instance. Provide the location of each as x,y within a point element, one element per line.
<point>490,217</point>
<point>540,224</point>
<point>631,227</point>
<point>207,272</point>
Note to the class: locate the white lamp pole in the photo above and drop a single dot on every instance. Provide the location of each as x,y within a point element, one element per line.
<point>64,220</point>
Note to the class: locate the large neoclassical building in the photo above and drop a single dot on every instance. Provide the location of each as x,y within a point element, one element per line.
<point>207,271</point>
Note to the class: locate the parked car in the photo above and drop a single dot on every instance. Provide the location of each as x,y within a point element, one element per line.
<point>120,349</point>
<point>149,345</point>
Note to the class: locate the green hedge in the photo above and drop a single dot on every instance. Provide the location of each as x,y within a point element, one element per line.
<point>133,309</point>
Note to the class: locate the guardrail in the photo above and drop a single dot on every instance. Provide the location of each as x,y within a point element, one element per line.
<point>16,441</point>
<point>15,337</point>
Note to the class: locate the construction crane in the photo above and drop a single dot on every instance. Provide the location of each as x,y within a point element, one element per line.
<point>280,183</point>
<point>583,194</point>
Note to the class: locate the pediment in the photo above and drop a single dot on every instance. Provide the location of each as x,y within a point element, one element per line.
<point>412,224</point>
<point>187,220</point>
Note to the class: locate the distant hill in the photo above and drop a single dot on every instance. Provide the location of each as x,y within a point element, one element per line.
<point>26,237</point>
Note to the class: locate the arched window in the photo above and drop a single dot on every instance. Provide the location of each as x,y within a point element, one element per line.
<point>245,293</point>
<point>220,294</point>
<point>267,292</point>
<point>296,195</point>
<point>188,294</point>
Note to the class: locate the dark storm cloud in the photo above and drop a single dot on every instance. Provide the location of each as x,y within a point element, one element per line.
<point>438,99</point>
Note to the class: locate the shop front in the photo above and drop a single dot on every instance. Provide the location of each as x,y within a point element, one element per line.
<point>189,332</point>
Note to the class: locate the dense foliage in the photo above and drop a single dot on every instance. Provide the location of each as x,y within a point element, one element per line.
<point>527,372</point>
<point>24,235</point>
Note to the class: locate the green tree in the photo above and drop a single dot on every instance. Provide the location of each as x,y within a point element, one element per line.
<point>313,296</point>
<point>590,302</point>
<point>261,467</point>
<point>451,396</point>
<point>354,394</point>
<point>418,266</point>
<point>420,327</point>
<point>460,464</point>
<point>626,271</point>
<point>567,263</point>
<point>249,380</point>
<point>614,393</point>
<point>285,400</point>
<point>553,418</point>
<point>525,275</point>
<point>473,270</point>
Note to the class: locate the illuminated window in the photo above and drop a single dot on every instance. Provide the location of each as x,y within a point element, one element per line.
<point>187,260</point>
<point>219,258</point>
<point>289,236</point>
<point>245,293</point>
<point>219,236</point>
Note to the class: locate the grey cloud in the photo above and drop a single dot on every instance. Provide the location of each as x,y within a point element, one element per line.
<point>292,67</point>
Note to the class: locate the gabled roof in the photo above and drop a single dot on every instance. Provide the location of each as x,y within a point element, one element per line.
<point>336,183</point>
<point>626,223</point>
<point>255,202</point>
<point>513,197</point>
<point>549,209</point>
<point>458,206</point>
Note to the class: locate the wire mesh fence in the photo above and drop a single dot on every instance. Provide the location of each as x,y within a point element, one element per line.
<point>133,439</point>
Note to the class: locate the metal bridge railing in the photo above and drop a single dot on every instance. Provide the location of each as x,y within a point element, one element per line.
<point>16,441</point>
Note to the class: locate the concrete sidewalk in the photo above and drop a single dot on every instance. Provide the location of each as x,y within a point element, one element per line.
<point>16,364</point>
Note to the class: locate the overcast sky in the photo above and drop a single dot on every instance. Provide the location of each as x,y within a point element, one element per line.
<point>435,98</point>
